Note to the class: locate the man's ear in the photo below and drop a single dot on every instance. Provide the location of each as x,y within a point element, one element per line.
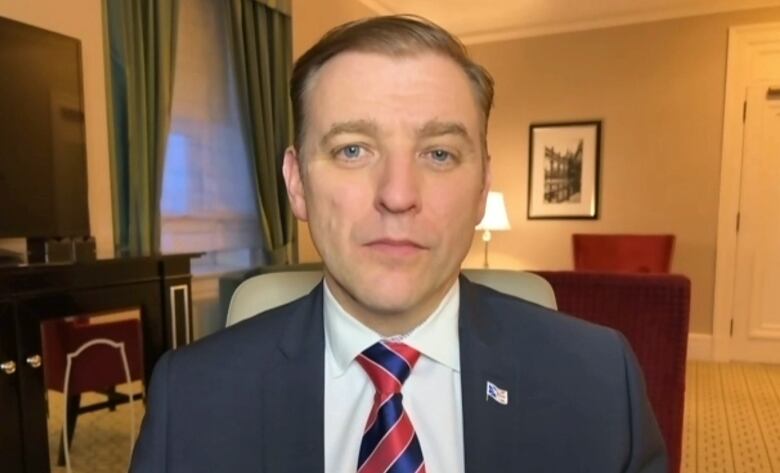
<point>291,169</point>
<point>487,180</point>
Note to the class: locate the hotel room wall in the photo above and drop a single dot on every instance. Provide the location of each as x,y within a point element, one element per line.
<point>658,88</point>
<point>82,19</point>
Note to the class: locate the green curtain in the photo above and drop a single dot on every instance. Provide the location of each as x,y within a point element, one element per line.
<point>282,6</point>
<point>262,56</point>
<point>140,56</point>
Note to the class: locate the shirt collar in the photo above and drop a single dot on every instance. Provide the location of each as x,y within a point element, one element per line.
<point>436,337</point>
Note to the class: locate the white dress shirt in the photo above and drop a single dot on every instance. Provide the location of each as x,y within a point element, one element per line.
<point>432,396</point>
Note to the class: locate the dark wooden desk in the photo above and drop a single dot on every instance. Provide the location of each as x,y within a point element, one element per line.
<point>159,287</point>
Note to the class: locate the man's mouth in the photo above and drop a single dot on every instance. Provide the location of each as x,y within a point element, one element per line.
<point>395,247</point>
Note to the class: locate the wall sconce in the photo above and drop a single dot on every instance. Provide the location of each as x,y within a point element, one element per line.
<point>495,219</point>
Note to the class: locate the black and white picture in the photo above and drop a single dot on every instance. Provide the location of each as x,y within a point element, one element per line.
<point>563,174</point>
<point>563,170</point>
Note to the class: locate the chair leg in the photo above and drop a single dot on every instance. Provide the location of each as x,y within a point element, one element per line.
<point>112,397</point>
<point>72,405</point>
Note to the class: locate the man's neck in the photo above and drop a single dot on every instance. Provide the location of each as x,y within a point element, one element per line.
<point>388,323</point>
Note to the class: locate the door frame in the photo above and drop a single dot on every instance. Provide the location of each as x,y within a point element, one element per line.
<point>741,40</point>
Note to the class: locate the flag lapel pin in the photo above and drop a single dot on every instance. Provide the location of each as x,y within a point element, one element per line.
<point>499,395</point>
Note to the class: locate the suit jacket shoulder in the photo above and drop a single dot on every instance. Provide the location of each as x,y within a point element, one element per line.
<point>573,387</point>
<point>250,397</point>
<point>220,404</point>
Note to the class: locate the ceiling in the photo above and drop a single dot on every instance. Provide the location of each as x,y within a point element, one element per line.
<point>478,21</point>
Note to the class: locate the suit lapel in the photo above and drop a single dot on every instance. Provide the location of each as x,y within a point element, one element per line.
<point>293,394</point>
<point>490,429</point>
<point>496,436</point>
<point>525,432</point>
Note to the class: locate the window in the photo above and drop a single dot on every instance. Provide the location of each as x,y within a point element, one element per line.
<point>208,197</point>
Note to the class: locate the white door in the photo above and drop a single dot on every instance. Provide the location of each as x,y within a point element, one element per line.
<point>756,310</point>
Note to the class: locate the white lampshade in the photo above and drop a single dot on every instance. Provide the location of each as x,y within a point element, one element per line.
<point>495,213</point>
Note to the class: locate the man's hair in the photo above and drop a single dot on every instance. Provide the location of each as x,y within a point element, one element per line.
<point>395,35</point>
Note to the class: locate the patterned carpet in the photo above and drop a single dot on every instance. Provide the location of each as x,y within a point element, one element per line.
<point>732,418</point>
<point>101,442</point>
<point>732,424</point>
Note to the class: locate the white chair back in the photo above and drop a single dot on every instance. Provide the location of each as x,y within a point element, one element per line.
<point>522,284</point>
<point>266,291</point>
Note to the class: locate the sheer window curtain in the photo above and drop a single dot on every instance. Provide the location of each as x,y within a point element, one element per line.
<point>208,198</point>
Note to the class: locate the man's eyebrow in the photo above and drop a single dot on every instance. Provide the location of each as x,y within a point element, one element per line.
<point>366,127</point>
<point>439,128</point>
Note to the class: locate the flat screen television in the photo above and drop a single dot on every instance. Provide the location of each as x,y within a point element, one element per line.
<point>43,169</point>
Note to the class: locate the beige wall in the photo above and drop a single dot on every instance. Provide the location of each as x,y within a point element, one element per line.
<point>312,18</point>
<point>659,90</point>
<point>82,19</point>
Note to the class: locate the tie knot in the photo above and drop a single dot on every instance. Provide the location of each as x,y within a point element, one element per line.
<point>388,364</point>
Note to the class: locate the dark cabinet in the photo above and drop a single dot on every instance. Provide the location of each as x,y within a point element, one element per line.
<point>10,408</point>
<point>157,287</point>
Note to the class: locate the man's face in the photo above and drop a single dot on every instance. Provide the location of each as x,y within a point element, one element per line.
<point>391,179</point>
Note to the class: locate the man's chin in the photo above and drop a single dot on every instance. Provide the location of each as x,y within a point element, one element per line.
<point>394,301</point>
<point>386,303</point>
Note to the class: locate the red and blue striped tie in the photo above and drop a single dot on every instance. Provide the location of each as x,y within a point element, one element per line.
<point>389,441</point>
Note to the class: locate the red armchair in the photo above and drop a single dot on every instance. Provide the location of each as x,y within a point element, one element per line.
<point>623,253</point>
<point>652,312</point>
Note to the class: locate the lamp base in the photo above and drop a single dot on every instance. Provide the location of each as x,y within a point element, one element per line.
<point>486,237</point>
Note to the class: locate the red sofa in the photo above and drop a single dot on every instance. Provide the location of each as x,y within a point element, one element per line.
<point>652,311</point>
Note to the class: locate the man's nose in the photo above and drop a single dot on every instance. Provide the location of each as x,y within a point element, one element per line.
<point>398,186</point>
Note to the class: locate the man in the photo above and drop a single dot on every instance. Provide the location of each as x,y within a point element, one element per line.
<point>395,362</point>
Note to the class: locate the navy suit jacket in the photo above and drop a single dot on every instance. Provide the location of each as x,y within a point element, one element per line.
<point>250,398</point>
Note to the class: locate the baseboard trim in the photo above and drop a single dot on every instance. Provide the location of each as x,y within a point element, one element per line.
<point>700,346</point>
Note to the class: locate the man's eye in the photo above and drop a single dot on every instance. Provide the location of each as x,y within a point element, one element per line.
<point>351,151</point>
<point>440,156</point>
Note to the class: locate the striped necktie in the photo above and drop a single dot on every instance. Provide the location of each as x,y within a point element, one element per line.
<point>389,442</point>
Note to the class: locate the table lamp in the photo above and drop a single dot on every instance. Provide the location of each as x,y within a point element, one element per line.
<point>495,219</point>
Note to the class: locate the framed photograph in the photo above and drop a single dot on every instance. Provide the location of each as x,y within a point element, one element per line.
<point>563,170</point>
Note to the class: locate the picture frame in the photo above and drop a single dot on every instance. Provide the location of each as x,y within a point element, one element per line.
<point>564,162</point>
